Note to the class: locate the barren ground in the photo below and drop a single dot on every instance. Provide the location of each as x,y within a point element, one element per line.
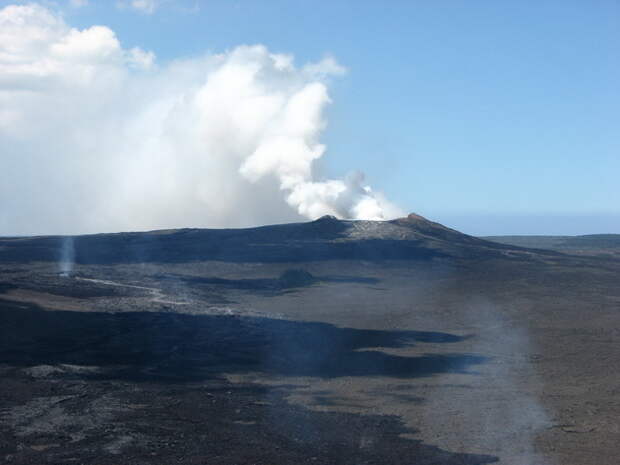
<point>437,361</point>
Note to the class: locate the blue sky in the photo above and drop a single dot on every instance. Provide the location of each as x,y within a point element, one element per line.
<point>492,117</point>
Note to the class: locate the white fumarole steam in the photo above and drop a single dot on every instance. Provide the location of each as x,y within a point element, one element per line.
<point>67,256</point>
<point>96,137</point>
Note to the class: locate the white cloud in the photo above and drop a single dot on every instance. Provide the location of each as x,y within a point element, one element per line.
<point>327,66</point>
<point>138,58</point>
<point>95,137</point>
<point>143,6</point>
<point>78,3</point>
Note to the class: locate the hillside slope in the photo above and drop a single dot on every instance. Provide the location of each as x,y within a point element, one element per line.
<point>327,238</point>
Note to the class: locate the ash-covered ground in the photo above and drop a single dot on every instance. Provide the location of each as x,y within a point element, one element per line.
<point>326,342</point>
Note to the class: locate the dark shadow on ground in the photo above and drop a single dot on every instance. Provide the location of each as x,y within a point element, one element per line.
<point>148,388</point>
<point>290,279</point>
<point>150,346</point>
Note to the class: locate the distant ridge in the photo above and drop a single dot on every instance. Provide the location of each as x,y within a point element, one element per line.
<point>410,238</point>
<point>590,244</point>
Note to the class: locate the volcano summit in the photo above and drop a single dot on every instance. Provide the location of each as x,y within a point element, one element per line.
<point>327,238</point>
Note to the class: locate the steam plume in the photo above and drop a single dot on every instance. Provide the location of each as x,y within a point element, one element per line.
<point>67,256</point>
<point>96,137</point>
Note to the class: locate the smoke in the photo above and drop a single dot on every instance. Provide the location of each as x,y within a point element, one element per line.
<point>96,137</point>
<point>500,412</point>
<point>67,256</point>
